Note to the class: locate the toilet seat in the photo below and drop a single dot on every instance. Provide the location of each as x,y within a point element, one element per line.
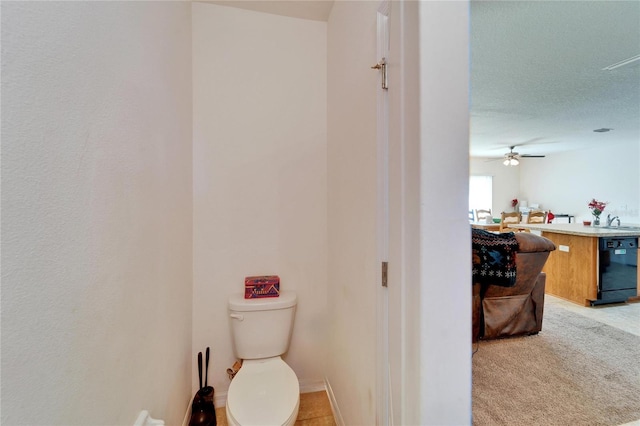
<point>264,392</point>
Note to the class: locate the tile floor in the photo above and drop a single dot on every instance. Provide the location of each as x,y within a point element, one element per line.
<point>625,316</point>
<point>315,410</point>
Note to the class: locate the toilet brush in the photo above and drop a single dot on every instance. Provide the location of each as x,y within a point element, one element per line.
<point>206,371</point>
<point>207,391</point>
<point>203,412</point>
<point>200,370</point>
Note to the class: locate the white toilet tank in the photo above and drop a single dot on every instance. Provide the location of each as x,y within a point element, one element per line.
<point>261,328</point>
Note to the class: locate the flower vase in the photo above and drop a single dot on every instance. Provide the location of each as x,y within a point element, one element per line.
<point>596,220</point>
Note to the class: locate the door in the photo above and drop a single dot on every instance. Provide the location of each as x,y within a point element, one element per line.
<point>383,412</point>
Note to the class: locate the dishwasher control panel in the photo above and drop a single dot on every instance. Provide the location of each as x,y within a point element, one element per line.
<point>614,243</point>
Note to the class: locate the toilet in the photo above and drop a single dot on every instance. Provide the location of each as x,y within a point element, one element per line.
<point>266,390</point>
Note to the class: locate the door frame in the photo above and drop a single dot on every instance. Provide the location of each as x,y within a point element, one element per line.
<point>383,405</point>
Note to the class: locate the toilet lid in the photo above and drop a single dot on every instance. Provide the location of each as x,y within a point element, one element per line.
<point>264,392</point>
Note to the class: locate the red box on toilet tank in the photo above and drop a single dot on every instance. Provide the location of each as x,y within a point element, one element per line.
<point>261,286</point>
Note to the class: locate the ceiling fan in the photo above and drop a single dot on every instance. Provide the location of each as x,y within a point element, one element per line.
<point>512,158</point>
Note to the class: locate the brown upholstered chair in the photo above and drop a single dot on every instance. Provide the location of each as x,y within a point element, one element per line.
<point>509,311</point>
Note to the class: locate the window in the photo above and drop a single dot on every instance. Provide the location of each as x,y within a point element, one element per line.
<point>480,192</point>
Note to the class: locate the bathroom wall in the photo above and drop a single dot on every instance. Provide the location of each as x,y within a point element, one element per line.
<point>352,206</point>
<point>260,170</point>
<point>96,211</point>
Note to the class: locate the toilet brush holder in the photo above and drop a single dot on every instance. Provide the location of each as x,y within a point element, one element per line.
<point>203,412</point>
<point>203,400</point>
<point>207,394</point>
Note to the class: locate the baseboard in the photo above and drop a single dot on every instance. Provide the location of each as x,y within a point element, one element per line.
<point>220,399</point>
<point>334,404</point>
<point>307,386</point>
<point>187,415</point>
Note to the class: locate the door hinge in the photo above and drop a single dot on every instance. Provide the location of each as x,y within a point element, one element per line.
<point>385,273</point>
<point>382,65</point>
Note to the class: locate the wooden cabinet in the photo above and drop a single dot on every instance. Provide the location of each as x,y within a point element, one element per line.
<point>572,269</point>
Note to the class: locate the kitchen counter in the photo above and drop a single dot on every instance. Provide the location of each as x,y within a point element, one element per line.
<point>573,269</point>
<point>579,229</point>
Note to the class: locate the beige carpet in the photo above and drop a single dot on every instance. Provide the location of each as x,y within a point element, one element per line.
<point>575,372</point>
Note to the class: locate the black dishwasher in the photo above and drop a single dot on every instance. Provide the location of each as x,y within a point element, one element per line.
<point>618,269</point>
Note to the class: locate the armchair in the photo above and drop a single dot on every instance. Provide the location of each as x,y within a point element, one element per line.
<point>500,311</point>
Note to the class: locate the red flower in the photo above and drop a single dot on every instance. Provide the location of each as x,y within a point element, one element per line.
<point>596,206</point>
<point>514,202</point>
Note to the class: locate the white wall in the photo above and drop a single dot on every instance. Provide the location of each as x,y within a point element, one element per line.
<point>506,182</point>
<point>351,368</point>
<point>96,211</point>
<point>445,252</point>
<point>566,182</point>
<point>260,170</point>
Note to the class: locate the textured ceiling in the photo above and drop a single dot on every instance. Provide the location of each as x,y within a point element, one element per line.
<point>537,78</point>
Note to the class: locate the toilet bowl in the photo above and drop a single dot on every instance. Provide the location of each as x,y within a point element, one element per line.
<point>264,392</point>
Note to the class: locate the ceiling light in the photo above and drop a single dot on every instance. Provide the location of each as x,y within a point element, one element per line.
<point>510,161</point>
<point>622,63</point>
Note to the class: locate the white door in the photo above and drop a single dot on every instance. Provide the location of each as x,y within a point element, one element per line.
<point>383,412</point>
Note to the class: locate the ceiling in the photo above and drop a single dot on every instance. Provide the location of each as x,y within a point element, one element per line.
<point>537,78</point>
<point>316,10</point>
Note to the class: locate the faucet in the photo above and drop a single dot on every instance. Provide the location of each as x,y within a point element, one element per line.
<point>611,219</point>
